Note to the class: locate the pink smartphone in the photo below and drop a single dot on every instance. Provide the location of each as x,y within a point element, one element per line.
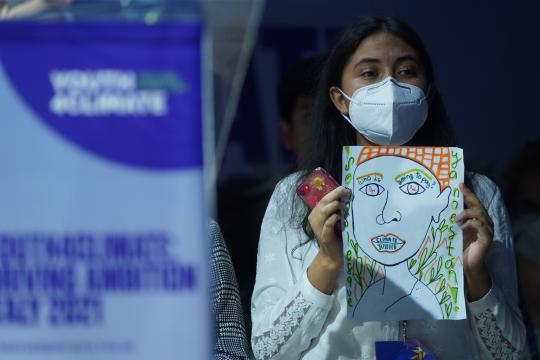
<point>316,186</point>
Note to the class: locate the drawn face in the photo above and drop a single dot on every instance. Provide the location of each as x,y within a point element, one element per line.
<point>393,211</point>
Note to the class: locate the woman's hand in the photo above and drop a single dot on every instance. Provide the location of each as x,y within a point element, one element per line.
<point>477,238</point>
<point>323,271</point>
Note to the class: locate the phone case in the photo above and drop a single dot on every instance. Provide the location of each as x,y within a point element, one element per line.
<point>316,186</point>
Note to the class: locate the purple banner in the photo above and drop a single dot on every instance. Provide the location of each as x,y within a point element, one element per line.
<point>130,93</point>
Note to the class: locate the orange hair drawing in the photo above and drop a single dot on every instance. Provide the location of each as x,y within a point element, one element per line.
<point>436,159</point>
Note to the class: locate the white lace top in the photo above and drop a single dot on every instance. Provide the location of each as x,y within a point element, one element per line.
<point>292,319</point>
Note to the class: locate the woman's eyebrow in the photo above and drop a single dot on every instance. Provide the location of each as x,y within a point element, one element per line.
<point>371,60</point>
<point>367,61</point>
<point>407,57</point>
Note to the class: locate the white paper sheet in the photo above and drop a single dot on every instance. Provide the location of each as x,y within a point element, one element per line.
<point>402,247</point>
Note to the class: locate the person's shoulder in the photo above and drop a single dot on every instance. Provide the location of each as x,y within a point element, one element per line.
<point>485,189</point>
<point>285,205</point>
<point>213,226</point>
<point>214,231</point>
<point>218,247</point>
<point>480,181</point>
<point>286,187</point>
<point>291,179</point>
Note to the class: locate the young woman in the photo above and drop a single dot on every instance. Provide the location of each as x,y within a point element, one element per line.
<point>298,304</point>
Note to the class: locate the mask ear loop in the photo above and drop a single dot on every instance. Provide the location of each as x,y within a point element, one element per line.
<point>346,116</point>
<point>343,93</point>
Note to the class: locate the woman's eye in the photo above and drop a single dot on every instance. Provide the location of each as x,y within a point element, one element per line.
<point>408,72</point>
<point>412,188</point>
<point>368,74</point>
<point>372,189</point>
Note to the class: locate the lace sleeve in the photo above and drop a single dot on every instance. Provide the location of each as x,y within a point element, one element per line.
<point>287,311</point>
<point>493,338</point>
<point>270,342</point>
<point>497,319</point>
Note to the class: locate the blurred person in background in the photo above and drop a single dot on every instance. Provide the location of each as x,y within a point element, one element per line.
<point>296,96</point>
<point>242,207</point>
<point>521,188</point>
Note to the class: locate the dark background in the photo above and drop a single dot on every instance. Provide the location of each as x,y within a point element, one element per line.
<point>487,68</point>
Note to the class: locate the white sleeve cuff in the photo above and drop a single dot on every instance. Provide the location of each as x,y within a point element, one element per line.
<point>488,301</point>
<point>313,295</point>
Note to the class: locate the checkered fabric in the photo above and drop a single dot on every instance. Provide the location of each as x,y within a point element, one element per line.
<point>231,339</point>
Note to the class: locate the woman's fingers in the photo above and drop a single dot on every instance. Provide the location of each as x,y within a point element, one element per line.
<point>472,224</point>
<point>482,231</point>
<point>338,193</point>
<point>331,222</point>
<point>474,210</point>
<point>474,213</point>
<point>329,209</point>
<point>474,216</point>
<point>469,198</point>
<point>330,204</point>
<point>328,231</point>
<point>327,213</point>
<point>323,214</point>
<point>481,226</point>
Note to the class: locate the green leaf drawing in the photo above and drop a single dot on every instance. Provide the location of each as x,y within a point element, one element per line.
<point>355,248</point>
<point>454,291</point>
<point>439,265</point>
<point>371,269</point>
<point>448,309</point>
<point>435,273</point>
<point>445,297</point>
<point>441,287</point>
<point>348,179</point>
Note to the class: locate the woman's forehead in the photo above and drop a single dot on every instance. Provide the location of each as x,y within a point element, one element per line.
<point>382,46</point>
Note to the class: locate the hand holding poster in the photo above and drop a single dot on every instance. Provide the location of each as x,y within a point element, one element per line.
<point>402,246</point>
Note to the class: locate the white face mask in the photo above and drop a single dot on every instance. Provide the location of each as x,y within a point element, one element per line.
<point>388,112</point>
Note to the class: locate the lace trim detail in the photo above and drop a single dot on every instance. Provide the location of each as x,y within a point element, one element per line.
<point>271,341</point>
<point>491,334</point>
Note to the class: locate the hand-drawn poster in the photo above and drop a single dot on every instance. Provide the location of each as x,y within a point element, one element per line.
<point>402,246</point>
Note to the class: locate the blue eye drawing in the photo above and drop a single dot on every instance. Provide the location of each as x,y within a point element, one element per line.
<point>372,189</point>
<point>412,188</point>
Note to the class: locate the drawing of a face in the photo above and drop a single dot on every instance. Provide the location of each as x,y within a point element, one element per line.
<point>393,211</point>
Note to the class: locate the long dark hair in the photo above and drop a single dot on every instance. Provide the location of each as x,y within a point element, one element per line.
<point>330,132</point>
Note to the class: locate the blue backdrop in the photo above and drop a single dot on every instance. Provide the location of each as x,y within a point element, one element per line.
<point>484,56</point>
